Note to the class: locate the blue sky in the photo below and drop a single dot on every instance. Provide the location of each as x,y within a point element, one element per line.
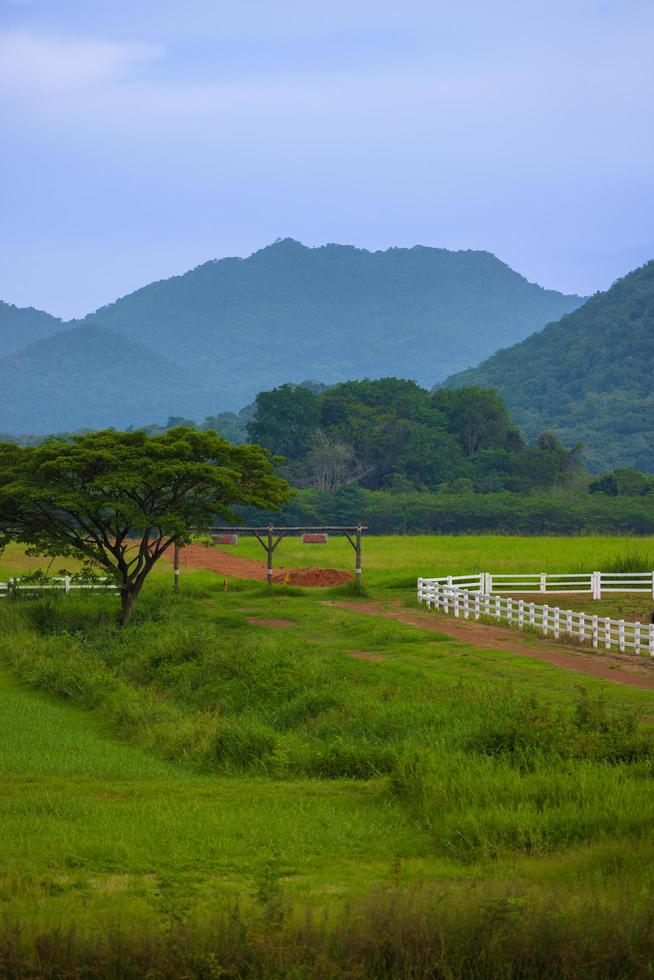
<point>141,138</point>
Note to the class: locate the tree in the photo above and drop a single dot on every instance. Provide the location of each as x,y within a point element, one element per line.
<point>623,482</point>
<point>122,499</point>
<point>285,420</point>
<point>477,417</point>
<point>330,464</point>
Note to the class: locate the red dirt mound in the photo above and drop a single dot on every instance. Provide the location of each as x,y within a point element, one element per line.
<point>234,566</point>
<point>312,577</point>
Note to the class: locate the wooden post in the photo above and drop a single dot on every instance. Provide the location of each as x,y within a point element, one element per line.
<point>176,567</point>
<point>357,566</point>
<point>269,566</point>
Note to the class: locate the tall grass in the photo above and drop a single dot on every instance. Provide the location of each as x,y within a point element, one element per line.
<point>428,933</point>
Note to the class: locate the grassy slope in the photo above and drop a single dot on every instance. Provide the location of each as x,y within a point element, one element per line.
<point>89,826</point>
<point>93,828</point>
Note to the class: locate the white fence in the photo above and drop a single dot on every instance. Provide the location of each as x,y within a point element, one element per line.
<point>594,583</point>
<point>467,596</point>
<point>64,583</point>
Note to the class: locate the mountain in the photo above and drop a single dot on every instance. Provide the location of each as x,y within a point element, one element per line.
<point>588,377</point>
<point>92,377</point>
<point>211,339</point>
<point>22,326</point>
<point>335,313</point>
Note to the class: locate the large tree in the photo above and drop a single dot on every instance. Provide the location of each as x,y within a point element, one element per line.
<point>122,499</point>
<point>285,420</point>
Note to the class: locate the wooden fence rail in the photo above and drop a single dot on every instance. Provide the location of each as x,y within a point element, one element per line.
<point>466,596</point>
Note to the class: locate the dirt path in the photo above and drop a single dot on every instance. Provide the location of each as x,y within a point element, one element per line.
<point>234,566</point>
<point>621,669</point>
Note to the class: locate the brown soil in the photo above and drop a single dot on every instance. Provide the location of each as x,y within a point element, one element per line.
<point>621,669</point>
<point>234,566</point>
<point>273,623</point>
<point>365,655</point>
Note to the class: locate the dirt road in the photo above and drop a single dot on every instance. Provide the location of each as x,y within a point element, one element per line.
<point>234,566</point>
<point>621,669</point>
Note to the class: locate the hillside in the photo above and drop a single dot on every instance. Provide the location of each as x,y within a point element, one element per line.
<point>22,326</point>
<point>588,376</point>
<point>92,377</point>
<point>289,312</point>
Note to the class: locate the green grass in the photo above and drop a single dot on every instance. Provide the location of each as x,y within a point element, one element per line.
<point>261,800</point>
<point>398,560</point>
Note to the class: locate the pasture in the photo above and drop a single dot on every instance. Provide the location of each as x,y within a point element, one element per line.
<point>396,561</point>
<point>239,785</point>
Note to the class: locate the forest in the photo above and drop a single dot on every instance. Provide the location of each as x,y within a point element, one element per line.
<point>587,376</point>
<point>405,459</point>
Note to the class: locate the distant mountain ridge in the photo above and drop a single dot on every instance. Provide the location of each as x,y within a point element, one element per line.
<point>588,377</point>
<point>334,313</point>
<point>20,326</point>
<point>233,327</point>
<point>89,377</point>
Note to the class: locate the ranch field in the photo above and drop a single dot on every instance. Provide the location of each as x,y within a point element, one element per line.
<point>239,785</point>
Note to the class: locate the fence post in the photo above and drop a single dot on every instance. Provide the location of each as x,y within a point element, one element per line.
<point>621,635</point>
<point>546,613</point>
<point>595,632</point>
<point>607,632</point>
<point>476,605</point>
<point>532,614</point>
<point>652,585</point>
<point>568,622</point>
<point>597,585</point>
<point>557,619</point>
<point>456,604</point>
<point>521,613</point>
<point>650,642</point>
<point>543,582</point>
<point>582,626</point>
<point>509,610</point>
<point>67,583</point>
<point>498,607</point>
<point>489,583</point>
<point>637,639</point>
<point>420,593</point>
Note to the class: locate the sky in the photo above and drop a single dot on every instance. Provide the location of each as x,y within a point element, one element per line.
<point>139,138</point>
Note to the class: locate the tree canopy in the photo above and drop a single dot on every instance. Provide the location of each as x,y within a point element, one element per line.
<point>121,499</point>
<point>393,434</point>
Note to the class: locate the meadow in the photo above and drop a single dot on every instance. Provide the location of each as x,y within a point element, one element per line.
<point>396,561</point>
<point>207,794</point>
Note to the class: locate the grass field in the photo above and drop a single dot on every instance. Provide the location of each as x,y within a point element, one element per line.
<point>398,560</point>
<point>202,795</point>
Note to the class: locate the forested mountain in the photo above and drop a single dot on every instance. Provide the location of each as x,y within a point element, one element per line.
<point>22,326</point>
<point>91,377</point>
<point>335,313</point>
<point>588,377</point>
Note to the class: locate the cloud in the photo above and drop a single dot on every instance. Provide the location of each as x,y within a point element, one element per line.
<point>36,62</point>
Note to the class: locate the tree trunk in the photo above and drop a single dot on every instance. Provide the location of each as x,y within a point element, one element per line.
<point>127,600</point>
